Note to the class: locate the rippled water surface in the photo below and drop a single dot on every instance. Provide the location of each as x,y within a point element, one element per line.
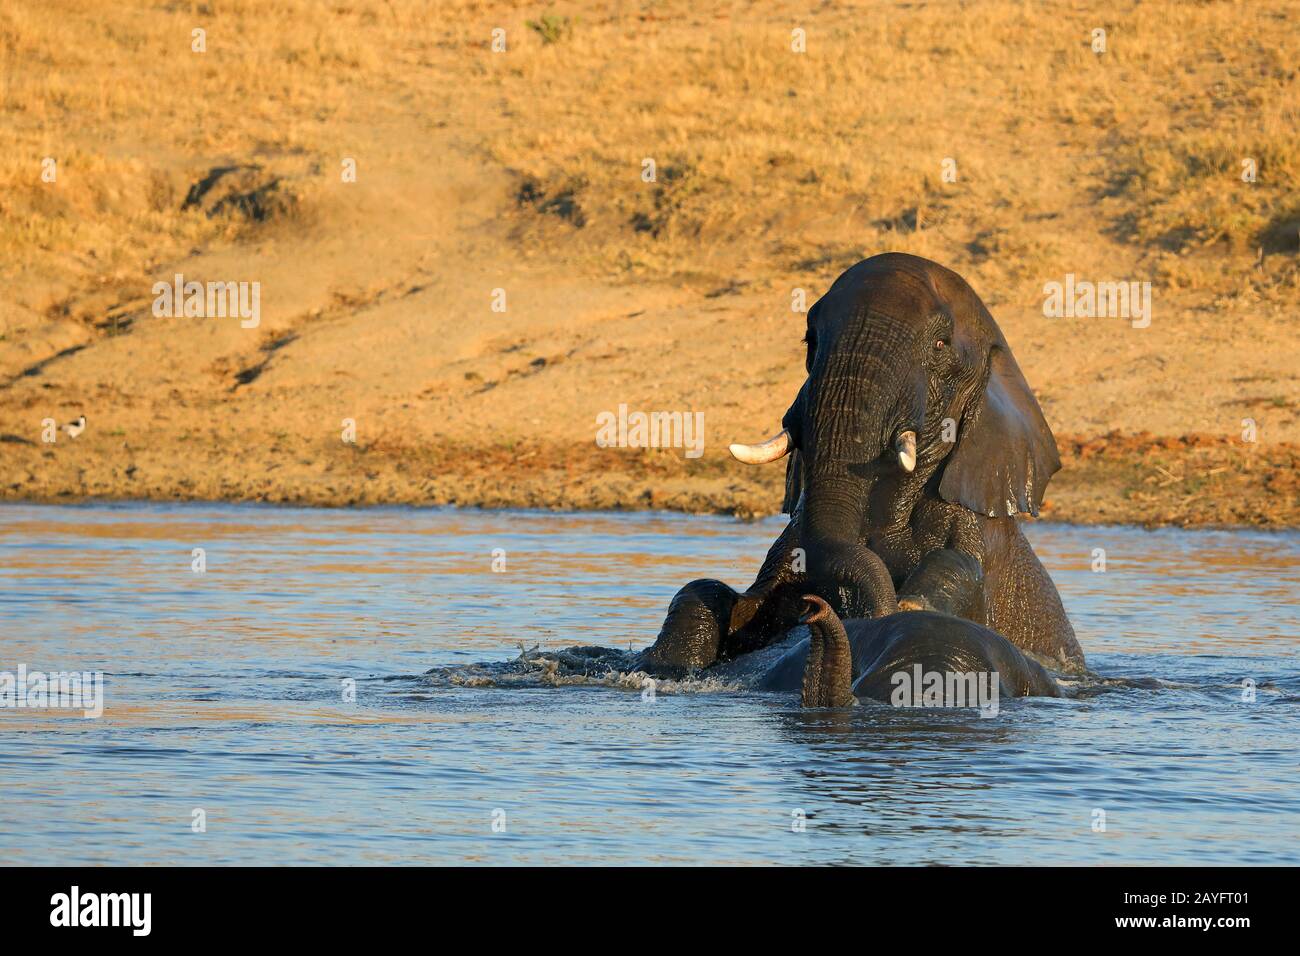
<point>223,693</point>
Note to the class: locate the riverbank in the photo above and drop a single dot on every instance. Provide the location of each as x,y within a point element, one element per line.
<point>462,251</point>
<point>1196,481</point>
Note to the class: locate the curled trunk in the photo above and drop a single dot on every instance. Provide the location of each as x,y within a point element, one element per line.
<point>828,675</point>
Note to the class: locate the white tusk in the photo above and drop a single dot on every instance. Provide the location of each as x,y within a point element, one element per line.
<point>776,447</point>
<point>905,445</point>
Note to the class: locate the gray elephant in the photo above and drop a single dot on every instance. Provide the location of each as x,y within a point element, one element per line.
<point>931,659</point>
<point>913,445</point>
<point>841,662</point>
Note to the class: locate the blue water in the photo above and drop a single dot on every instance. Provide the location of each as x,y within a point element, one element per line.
<point>223,694</point>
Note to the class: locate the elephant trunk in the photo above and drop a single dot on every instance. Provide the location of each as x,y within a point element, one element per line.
<point>828,676</point>
<point>838,559</point>
<point>859,426</point>
<point>812,671</point>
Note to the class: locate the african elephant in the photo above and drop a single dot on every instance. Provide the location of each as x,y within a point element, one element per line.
<point>844,661</point>
<point>913,445</point>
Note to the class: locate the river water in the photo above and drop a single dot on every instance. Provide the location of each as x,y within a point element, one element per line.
<point>228,735</point>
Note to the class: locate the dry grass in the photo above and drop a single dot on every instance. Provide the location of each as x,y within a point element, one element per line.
<point>773,162</point>
<point>768,162</point>
<point>133,118</point>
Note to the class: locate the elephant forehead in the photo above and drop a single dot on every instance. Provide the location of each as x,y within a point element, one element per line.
<point>862,328</point>
<point>900,295</point>
<point>907,288</point>
<point>880,310</point>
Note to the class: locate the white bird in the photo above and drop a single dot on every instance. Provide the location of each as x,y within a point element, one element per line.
<point>75,428</point>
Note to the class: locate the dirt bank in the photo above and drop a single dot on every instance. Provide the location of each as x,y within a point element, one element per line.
<point>456,249</point>
<point>1140,479</point>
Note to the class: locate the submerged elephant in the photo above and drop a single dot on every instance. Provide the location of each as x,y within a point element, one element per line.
<point>933,659</point>
<point>876,659</point>
<point>914,444</point>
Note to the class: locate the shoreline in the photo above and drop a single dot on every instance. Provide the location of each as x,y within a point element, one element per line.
<point>1142,480</point>
<point>73,501</point>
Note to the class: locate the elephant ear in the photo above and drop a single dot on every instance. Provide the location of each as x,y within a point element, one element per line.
<point>1005,452</point>
<point>793,482</point>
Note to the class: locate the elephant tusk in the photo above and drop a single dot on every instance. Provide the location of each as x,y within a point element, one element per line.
<point>775,448</point>
<point>905,445</point>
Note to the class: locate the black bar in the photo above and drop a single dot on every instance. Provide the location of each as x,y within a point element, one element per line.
<point>337,905</point>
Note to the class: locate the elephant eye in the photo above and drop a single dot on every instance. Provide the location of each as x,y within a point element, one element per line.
<point>940,343</point>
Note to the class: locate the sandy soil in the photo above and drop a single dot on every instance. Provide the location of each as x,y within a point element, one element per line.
<point>377,307</point>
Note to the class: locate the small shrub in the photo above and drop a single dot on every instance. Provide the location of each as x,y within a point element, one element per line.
<point>551,28</point>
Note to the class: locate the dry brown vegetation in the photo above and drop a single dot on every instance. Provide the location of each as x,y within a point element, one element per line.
<point>522,170</point>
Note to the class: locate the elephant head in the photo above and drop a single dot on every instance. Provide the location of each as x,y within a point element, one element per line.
<point>910,386</point>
